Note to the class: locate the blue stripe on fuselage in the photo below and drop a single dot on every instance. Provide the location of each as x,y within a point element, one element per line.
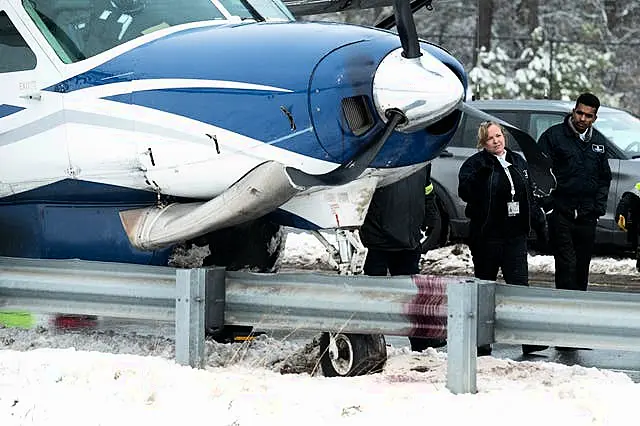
<point>256,114</point>
<point>6,110</point>
<point>76,191</point>
<point>74,219</point>
<point>281,55</point>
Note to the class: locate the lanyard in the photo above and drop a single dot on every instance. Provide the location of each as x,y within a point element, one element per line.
<point>513,188</point>
<point>505,165</point>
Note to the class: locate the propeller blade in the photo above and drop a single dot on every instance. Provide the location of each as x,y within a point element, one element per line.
<point>406,29</point>
<point>538,162</point>
<point>390,21</point>
<point>352,168</point>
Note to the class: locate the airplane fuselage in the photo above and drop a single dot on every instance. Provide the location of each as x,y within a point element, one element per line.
<point>181,114</point>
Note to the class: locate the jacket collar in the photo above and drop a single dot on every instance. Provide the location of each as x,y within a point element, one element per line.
<point>568,123</point>
<point>492,158</point>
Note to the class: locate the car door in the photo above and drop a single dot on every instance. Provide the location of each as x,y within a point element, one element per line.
<point>33,148</point>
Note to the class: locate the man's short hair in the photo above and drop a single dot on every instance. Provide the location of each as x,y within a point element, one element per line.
<point>588,99</point>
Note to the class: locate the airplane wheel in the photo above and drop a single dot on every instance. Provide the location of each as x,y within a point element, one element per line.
<point>352,354</point>
<point>256,245</point>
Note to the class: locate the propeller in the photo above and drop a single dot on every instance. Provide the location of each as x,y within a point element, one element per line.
<point>390,21</point>
<point>406,29</point>
<point>351,169</point>
<point>354,167</point>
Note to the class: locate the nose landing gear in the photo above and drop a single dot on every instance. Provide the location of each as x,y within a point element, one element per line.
<point>347,354</point>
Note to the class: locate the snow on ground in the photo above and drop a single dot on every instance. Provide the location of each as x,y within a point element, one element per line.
<point>49,377</point>
<point>304,251</point>
<point>243,384</point>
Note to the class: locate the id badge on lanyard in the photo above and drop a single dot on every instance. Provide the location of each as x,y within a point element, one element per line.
<point>513,207</point>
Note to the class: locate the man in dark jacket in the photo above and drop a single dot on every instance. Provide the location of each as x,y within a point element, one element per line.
<point>579,162</point>
<point>391,229</point>
<point>391,232</point>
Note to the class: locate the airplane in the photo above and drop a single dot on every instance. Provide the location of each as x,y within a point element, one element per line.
<point>128,127</point>
<point>131,127</point>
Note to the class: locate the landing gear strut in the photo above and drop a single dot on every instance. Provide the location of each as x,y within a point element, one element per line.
<point>348,354</point>
<point>350,255</point>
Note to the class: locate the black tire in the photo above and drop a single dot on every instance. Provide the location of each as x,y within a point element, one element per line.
<point>255,245</point>
<point>358,354</point>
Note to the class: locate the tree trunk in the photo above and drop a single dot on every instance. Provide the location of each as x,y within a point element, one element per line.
<point>485,21</point>
<point>611,9</point>
<point>532,17</point>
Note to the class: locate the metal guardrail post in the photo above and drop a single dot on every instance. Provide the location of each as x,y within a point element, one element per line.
<point>190,318</point>
<point>462,334</point>
<point>199,305</point>
<point>486,312</point>
<point>215,298</point>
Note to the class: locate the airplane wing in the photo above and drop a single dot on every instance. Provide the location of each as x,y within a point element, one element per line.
<point>317,7</point>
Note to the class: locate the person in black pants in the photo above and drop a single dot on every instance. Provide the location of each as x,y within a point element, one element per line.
<point>579,162</point>
<point>495,184</point>
<point>391,232</point>
<point>628,216</point>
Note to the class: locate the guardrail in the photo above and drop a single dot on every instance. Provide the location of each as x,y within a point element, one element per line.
<point>468,312</point>
<point>201,299</point>
<point>538,316</point>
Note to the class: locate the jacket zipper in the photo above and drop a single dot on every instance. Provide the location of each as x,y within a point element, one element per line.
<point>526,190</point>
<point>486,220</point>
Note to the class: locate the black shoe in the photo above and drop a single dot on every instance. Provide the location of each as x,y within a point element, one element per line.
<point>484,350</point>
<point>528,349</point>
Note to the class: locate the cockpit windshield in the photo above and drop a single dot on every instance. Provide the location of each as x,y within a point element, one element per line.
<point>79,29</point>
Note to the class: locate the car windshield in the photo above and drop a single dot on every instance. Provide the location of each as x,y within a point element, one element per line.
<point>622,129</point>
<point>79,29</point>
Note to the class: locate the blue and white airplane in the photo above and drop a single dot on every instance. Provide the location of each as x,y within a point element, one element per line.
<point>130,126</point>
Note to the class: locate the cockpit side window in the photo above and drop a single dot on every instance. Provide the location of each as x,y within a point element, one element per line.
<point>15,54</point>
<point>79,29</point>
<point>259,10</point>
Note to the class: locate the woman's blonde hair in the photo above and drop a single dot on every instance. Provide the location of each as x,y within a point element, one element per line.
<point>483,133</point>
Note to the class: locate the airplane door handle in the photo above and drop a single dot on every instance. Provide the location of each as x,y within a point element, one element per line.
<point>36,96</point>
<point>446,154</point>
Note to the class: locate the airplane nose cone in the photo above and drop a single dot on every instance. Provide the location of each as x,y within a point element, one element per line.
<point>423,89</point>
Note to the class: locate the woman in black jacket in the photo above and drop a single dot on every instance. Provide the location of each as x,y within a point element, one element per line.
<point>495,184</point>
